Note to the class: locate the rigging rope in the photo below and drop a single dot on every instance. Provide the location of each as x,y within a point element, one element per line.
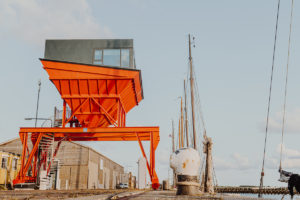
<point>269,100</point>
<point>286,83</point>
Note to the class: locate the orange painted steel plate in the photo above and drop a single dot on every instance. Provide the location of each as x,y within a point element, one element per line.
<point>101,85</point>
<point>97,134</point>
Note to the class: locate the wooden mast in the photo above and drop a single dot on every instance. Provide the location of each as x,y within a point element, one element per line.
<point>173,150</point>
<point>181,123</point>
<point>173,141</point>
<point>192,93</point>
<point>186,119</point>
<point>179,135</point>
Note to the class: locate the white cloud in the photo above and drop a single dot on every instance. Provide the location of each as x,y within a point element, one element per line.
<point>271,163</point>
<point>290,159</point>
<point>222,164</point>
<point>286,152</point>
<point>35,20</point>
<point>292,122</point>
<point>236,161</point>
<point>163,157</point>
<point>243,161</point>
<point>291,163</point>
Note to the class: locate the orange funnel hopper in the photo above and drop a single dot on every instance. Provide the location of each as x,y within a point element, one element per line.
<point>98,96</point>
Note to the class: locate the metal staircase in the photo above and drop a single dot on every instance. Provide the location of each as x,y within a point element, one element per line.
<point>46,151</point>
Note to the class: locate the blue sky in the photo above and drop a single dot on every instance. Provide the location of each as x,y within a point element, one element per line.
<point>232,60</point>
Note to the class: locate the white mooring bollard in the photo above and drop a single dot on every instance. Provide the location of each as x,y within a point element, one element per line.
<point>186,164</point>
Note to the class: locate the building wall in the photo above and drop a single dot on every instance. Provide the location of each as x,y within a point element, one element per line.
<point>103,172</point>
<point>84,168</point>
<point>14,146</point>
<point>80,167</point>
<point>8,174</point>
<point>73,177</point>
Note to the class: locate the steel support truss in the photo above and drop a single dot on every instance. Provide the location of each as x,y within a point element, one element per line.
<point>30,166</point>
<point>86,100</point>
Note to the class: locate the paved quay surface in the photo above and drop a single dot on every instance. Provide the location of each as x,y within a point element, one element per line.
<point>59,194</point>
<point>170,195</point>
<point>112,195</point>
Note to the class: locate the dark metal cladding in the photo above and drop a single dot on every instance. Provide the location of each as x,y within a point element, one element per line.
<point>83,51</point>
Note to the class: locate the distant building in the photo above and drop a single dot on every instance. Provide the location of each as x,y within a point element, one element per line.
<point>9,167</point>
<point>131,181</point>
<point>75,167</point>
<point>142,173</point>
<point>106,52</point>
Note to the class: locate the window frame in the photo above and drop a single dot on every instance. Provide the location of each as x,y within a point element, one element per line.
<point>6,162</point>
<point>94,60</point>
<point>120,49</point>
<point>15,164</point>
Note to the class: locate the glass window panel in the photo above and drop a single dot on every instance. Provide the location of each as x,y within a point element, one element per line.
<point>15,164</point>
<point>97,62</point>
<point>125,57</point>
<point>98,55</point>
<point>101,164</point>
<point>4,163</point>
<point>111,57</point>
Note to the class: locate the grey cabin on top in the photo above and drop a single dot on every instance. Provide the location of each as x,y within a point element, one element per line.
<point>105,52</point>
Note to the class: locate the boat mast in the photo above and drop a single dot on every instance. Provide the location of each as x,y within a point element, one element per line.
<point>186,119</point>
<point>179,135</point>
<point>181,122</point>
<point>173,150</point>
<point>192,92</point>
<point>173,141</point>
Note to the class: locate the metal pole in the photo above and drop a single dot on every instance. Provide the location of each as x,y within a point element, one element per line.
<point>37,103</point>
<point>192,92</point>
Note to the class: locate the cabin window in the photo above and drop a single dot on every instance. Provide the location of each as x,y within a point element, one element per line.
<point>4,163</point>
<point>112,57</point>
<point>98,55</point>
<point>125,57</point>
<point>15,164</point>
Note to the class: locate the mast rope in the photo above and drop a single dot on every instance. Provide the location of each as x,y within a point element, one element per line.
<point>269,100</point>
<point>286,84</point>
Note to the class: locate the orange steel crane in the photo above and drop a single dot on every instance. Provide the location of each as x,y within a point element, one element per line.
<point>99,98</point>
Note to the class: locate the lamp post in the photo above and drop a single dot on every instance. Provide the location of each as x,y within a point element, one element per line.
<point>37,103</point>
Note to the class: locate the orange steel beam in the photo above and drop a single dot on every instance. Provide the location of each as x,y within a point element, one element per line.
<point>64,114</point>
<point>92,134</point>
<point>139,129</point>
<point>144,154</point>
<point>106,113</point>
<point>34,149</point>
<point>24,138</point>
<point>86,98</point>
<point>75,111</point>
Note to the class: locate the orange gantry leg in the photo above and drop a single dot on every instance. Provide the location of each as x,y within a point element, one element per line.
<point>139,134</point>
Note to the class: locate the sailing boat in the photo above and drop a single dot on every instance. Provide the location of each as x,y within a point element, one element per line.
<point>188,173</point>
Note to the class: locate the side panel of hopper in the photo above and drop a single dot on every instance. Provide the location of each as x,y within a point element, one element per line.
<point>96,94</point>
